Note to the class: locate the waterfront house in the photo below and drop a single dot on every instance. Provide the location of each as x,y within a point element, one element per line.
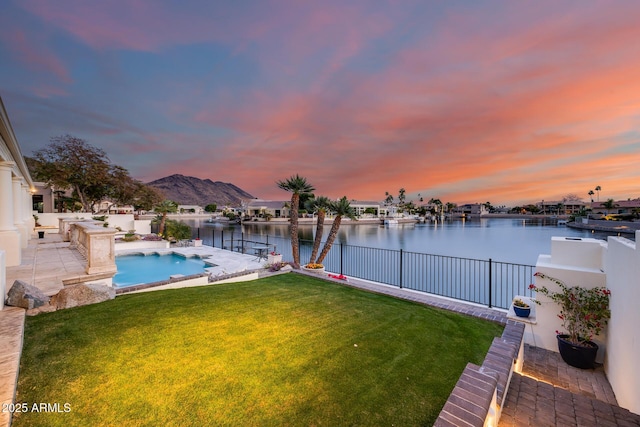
<point>471,209</point>
<point>264,208</point>
<point>619,207</point>
<point>372,209</point>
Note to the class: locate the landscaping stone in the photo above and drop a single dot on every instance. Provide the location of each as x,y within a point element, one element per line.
<point>47,308</point>
<point>83,294</point>
<point>26,296</point>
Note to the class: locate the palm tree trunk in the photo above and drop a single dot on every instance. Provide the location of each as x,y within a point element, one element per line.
<point>332,236</point>
<point>318,239</point>
<point>163,220</point>
<point>295,247</point>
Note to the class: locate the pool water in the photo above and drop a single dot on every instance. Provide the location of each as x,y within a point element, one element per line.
<point>136,269</point>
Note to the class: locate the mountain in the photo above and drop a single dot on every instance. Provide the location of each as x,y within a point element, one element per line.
<point>188,190</point>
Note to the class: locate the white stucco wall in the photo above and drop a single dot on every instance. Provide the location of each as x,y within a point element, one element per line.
<point>622,363</point>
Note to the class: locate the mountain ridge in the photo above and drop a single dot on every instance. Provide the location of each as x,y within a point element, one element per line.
<point>189,190</point>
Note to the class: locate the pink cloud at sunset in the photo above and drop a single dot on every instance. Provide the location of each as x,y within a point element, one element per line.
<point>463,101</point>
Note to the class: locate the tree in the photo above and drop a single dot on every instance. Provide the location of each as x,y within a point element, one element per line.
<point>591,193</point>
<point>438,204</point>
<point>598,189</point>
<point>71,163</point>
<point>163,209</point>
<point>450,206</point>
<point>608,205</point>
<point>146,197</point>
<point>401,196</point>
<point>177,230</point>
<point>320,205</point>
<point>212,207</point>
<point>388,199</point>
<point>296,185</point>
<point>341,208</point>
<point>571,197</point>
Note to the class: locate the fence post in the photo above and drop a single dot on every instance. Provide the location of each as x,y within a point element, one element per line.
<point>198,232</point>
<point>221,239</point>
<point>400,268</point>
<point>490,279</point>
<point>242,238</point>
<point>341,259</point>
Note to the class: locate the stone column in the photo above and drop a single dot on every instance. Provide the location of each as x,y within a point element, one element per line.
<point>6,197</point>
<point>27,206</point>
<point>9,234</point>
<point>18,207</point>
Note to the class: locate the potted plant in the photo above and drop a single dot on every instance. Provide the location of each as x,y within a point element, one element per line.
<point>274,258</point>
<point>314,268</point>
<point>584,312</point>
<point>521,308</point>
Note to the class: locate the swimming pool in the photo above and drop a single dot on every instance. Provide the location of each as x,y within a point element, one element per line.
<point>141,268</point>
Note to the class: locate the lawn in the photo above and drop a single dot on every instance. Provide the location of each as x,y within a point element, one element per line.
<point>284,350</point>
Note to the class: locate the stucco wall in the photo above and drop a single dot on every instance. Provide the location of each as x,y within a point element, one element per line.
<point>622,360</point>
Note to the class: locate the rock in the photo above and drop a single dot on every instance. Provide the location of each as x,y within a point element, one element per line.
<point>83,294</point>
<point>286,268</point>
<point>47,308</point>
<point>26,296</point>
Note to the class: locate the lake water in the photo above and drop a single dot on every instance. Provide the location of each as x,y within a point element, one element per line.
<point>507,240</point>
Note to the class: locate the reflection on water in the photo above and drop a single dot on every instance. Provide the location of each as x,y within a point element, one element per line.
<point>507,240</point>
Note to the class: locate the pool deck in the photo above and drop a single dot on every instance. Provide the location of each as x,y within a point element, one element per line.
<point>547,393</point>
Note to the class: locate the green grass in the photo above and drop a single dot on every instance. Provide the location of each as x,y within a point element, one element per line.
<point>285,350</point>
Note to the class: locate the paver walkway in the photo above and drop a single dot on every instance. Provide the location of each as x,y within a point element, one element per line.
<point>11,333</point>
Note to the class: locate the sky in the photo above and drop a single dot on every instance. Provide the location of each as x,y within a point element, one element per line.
<point>465,101</point>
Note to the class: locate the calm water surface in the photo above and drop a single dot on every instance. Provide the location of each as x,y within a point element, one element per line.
<point>507,240</point>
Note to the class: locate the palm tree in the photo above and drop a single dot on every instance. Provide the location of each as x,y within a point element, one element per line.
<point>320,205</point>
<point>591,193</point>
<point>341,208</point>
<point>164,208</point>
<point>401,196</point>
<point>296,185</point>
<point>438,204</point>
<point>451,206</point>
<point>598,188</point>
<point>609,204</point>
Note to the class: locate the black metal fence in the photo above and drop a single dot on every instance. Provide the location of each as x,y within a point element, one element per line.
<point>486,282</point>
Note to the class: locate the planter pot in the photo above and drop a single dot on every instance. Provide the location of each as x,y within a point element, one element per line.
<point>578,356</point>
<point>40,234</point>
<point>522,311</point>
<point>313,270</point>
<point>274,259</point>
